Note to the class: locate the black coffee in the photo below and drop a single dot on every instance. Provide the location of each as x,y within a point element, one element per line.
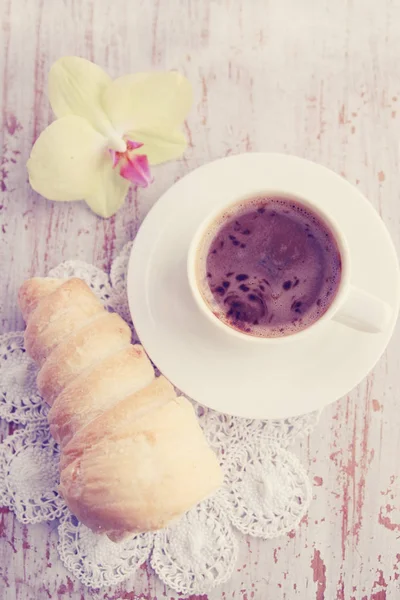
<point>269,267</point>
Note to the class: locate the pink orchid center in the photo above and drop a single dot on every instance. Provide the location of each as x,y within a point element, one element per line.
<point>134,167</point>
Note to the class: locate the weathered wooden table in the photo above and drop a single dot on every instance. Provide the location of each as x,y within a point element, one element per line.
<point>312,77</point>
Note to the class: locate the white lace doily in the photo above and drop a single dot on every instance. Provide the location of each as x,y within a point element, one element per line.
<point>266,491</point>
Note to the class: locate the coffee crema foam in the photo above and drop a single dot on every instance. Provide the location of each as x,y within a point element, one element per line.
<point>269,267</point>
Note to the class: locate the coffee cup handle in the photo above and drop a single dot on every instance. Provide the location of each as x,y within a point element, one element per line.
<point>363,311</point>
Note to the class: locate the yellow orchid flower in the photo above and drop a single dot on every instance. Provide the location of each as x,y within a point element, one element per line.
<point>107,132</point>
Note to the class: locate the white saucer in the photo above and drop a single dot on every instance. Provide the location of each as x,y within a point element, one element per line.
<point>212,367</point>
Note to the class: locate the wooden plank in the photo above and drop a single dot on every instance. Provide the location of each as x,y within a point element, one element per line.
<point>314,78</point>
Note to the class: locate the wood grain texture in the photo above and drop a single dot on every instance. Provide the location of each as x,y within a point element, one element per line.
<point>313,77</point>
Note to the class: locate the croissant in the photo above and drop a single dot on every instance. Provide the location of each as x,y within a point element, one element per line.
<point>133,456</point>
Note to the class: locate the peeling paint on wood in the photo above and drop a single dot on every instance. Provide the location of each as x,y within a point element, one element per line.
<point>313,78</point>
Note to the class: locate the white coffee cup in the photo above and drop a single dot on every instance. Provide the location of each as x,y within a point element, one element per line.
<point>351,306</point>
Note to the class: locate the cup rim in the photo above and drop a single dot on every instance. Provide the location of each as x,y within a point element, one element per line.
<point>338,300</point>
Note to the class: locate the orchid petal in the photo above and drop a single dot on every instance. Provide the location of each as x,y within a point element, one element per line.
<point>64,160</point>
<point>109,193</point>
<point>148,101</point>
<point>132,145</point>
<point>76,87</point>
<point>114,157</point>
<point>166,144</point>
<point>136,169</point>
